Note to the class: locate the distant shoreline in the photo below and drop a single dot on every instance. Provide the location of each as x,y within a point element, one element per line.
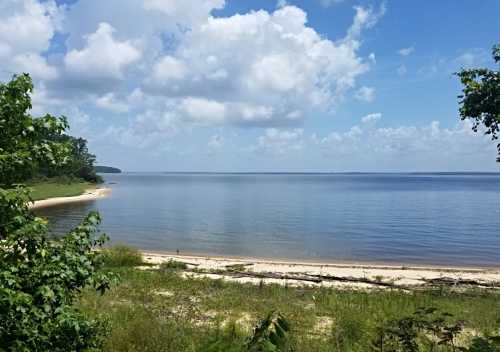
<point>90,194</point>
<point>323,173</point>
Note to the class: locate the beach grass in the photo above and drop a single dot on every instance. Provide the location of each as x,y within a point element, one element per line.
<point>121,256</point>
<point>160,310</point>
<point>52,188</point>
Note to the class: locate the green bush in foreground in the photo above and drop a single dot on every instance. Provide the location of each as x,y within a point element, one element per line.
<point>39,280</point>
<point>40,277</point>
<point>121,256</point>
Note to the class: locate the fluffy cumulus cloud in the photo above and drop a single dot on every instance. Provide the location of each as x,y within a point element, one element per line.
<point>174,58</point>
<point>158,68</point>
<point>419,144</point>
<point>103,57</point>
<point>26,29</point>
<point>259,68</point>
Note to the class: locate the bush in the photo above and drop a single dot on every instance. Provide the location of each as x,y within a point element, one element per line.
<point>121,256</point>
<point>40,277</point>
<point>173,265</point>
<point>39,280</point>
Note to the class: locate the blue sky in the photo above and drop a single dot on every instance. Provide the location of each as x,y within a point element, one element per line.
<point>236,85</point>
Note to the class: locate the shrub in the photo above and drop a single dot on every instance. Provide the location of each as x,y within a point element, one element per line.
<point>121,256</point>
<point>173,265</point>
<point>39,279</point>
<point>39,276</point>
<point>270,335</point>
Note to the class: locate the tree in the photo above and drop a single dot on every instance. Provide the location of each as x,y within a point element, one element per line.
<point>40,276</point>
<point>26,142</point>
<point>80,164</point>
<point>480,101</point>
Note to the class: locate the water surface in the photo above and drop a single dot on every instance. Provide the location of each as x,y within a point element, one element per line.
<point>443,219</point>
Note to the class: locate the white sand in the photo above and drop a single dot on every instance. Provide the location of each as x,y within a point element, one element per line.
<point>90,194</point>
<point>399,275</point>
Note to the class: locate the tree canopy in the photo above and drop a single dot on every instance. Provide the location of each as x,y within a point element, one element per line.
<point>480,98</point>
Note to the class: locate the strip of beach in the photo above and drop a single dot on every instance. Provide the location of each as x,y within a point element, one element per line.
<point>342,275</point>
<point>89,195</point>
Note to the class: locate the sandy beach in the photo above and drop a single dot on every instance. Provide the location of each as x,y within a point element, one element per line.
<point>326,274</point>
<point>90,194</point>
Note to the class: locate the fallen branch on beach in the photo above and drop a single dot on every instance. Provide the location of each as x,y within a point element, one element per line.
<point>304,277</point>
<point>353,279</point>
<point>449,281</point>
<point>317,279</point>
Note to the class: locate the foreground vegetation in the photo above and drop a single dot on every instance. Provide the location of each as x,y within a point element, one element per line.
<point>40,277</point>
<point>58,187</point>
<point>159,310</point>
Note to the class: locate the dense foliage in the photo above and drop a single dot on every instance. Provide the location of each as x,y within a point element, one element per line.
<point>428,330</point>
<point>31,147</point>
<point>39,276</point>
<point>80,164</point>
<point>480,101</point>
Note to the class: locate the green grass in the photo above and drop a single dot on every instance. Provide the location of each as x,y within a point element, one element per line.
<point>158,310</point>
<point>56,188</point>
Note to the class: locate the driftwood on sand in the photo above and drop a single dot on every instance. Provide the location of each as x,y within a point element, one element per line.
<point>314,278</point>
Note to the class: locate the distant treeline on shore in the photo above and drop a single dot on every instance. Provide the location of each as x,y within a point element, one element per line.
<point>107,170</point>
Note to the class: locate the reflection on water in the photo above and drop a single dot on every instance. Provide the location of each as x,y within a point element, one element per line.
<point>434,219</point>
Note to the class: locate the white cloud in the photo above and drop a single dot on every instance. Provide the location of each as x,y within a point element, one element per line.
<point>328,3</point>
<point>26,28</point>
<point>78,120</point>
<point>365,94</point>
<point>170,64</point>
<point>103,57</point>
<point>471,58</point>
<point>365,18</point>
<point>281,3</point>
<point>420,143</point>
<point>169,68</point>
<point>280,142</point>
<point>406,51</point>
<point>371,117</point>
<point>203,111</point>
<point>402,70</point>
<point>110,102</point>
<point>35,65</point>
<point>186,12</point>
<point>264,68</point>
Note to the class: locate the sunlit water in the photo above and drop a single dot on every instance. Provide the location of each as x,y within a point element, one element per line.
<point>390,218</point>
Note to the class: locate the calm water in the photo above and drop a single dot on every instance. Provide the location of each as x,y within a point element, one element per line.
<point>392,218</point>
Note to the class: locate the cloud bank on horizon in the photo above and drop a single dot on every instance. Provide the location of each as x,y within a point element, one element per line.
<point>201,85</point>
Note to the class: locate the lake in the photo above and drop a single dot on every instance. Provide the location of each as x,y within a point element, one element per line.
<point>441,219</point>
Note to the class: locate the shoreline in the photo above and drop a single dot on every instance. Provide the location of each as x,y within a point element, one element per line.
<point>254,270</point>
<point>366,264</point>
<point>89,195</point>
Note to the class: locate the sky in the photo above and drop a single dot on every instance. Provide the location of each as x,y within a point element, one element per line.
<point>248,86</point>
